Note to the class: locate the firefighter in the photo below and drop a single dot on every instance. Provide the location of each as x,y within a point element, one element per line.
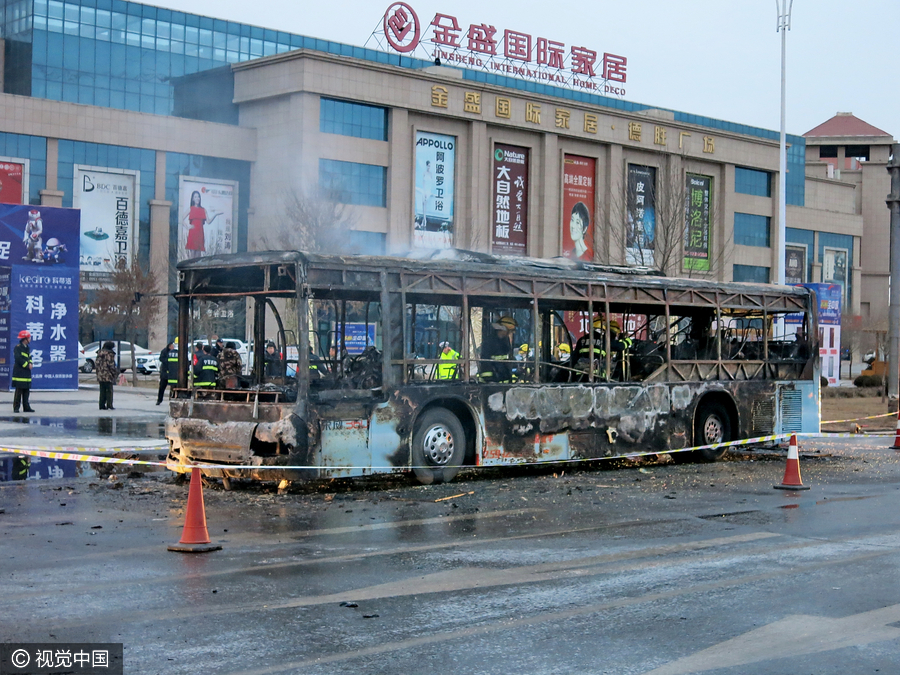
<point>21,374</point>
<point>497,349</point>
<point>172,364</point>
<point>206,368</point>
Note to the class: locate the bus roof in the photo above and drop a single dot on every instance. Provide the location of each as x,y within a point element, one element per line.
<point>460,260</point>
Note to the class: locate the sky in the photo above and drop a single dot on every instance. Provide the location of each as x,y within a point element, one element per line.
<point>719,58</point>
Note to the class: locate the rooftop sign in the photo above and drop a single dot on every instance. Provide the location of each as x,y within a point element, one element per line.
<point>507,52</point>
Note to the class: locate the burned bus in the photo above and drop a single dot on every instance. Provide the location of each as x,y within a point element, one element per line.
<point>439,360</point>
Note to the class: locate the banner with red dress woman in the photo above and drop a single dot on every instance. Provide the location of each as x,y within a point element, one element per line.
<point>207,215</point>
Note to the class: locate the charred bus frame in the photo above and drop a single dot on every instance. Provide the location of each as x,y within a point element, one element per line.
<point>696,373</point>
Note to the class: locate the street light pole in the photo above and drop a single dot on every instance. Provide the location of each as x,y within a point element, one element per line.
<point>784,25</point>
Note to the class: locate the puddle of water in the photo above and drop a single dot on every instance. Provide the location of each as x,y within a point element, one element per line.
<point>41,468</point>
<point>102,426</point>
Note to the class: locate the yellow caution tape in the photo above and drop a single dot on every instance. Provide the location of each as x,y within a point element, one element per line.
<point>65,453</point>
<point>856,419</point>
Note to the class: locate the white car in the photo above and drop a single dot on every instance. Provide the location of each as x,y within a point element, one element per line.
<point>82,360</point>
<point>123,351</point>
<point>147,364</point>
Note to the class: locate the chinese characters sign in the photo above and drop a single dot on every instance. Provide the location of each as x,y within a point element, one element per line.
<point>41,245</point>
<point>107,199</point>
<point>504,51</point>
<point>433,200</point>
<point>578,207</point>
<point>12,181</point>
<point>640,226</point>
<point>794,265</point>
<point>509,221</point>
<point>207,210</point>
<point>696,231</point>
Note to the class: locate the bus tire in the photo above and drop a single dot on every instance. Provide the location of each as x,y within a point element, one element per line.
<point>439,447</point>
<point>712,424</point>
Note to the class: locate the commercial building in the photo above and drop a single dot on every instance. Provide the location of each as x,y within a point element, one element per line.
<point>400,152</point>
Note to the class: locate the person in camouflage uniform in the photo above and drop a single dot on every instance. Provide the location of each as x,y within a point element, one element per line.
<point>229,363</point>
<point>107,372</point>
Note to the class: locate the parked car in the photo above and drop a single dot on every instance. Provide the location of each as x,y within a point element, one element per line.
<point>123,350</point>
<point>147,364</point>
<point>82,359</point>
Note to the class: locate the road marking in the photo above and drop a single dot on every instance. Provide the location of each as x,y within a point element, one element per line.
<point>793,636</point>
<point>406,523</point>
<point>549,617</point>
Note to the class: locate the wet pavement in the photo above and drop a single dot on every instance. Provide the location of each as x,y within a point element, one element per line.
<point>73,418</point>
<point>627,568</point>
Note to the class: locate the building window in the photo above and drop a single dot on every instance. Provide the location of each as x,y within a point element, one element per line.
<point>752,273</point>
<point>750,230</point>
<point>353,183</point>
<point>752,182</point>
<point>352,119</point>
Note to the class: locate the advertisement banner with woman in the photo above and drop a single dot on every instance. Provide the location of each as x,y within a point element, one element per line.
<point>207,215</point>
<point>433,199</point>
<point>640,225</point>
<point>13,180</point>
<point>107,199</point>
<point>578,207</point>
<point>509,221</point>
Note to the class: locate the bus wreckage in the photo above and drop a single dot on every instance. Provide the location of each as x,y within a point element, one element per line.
<point>452,358</point>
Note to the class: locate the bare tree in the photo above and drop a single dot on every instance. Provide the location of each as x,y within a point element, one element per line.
<point>853,336</point>
<point>684,218</point>
<point>315,219</point>
<point>124,301</point>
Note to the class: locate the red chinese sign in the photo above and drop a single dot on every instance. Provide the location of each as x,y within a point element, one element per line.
<point>401,27</point>
<point>508,52</point>
<point>510,207</point>
<point>11,174</point>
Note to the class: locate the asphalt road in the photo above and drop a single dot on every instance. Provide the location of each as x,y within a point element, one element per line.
<point>633,568</point>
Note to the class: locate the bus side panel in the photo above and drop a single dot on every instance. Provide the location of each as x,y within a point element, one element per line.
<point>388,449</point>
<point>535,423</point>
<point>344,447</point>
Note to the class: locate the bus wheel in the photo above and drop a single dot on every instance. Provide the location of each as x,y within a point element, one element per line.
<point>712,425</point>
<point>439,446</point>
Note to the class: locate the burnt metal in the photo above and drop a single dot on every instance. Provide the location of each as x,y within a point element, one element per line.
<point>357,409</point>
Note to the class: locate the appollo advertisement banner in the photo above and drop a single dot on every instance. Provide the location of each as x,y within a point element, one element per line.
<point>39,247</point>
<point>578,207</point>
<point>696,233</point>
<point>13,180</point>
<point>207,216</point>
<point>640,215</point>
<point>108,201</point>
<point>433,195</point>
<point>509,212</point>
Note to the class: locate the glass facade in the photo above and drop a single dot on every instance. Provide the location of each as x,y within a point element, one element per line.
<point>751,230</point>
<point>752,182</point>
<point>751,273</point>
<point>352,183</point>
<point>352,119</point>
<point>123,54</point>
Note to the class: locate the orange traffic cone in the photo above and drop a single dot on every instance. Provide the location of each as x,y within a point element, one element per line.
<point>195,537</point>
<point>791,480</point>
<point>897,434</point>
